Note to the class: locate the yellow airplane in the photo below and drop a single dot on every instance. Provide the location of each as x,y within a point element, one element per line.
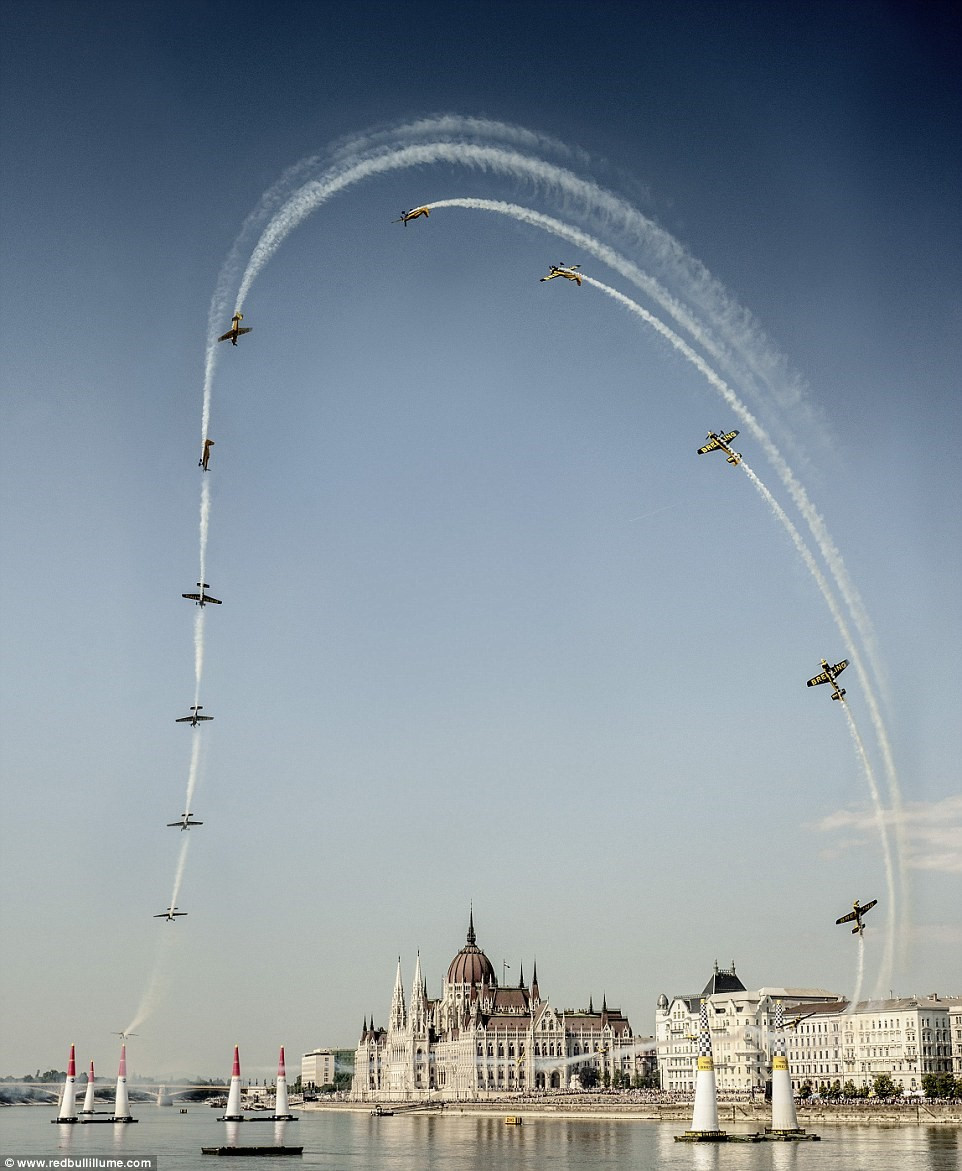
<point>829,675</point>
<point>205,458</point>
<point>855,915</point>
<point>568,271</point>
<point>720,443</point>
<point>235,330</point>
<point>203,597</point>
<point>796,1020</point>
<point>412,214</point>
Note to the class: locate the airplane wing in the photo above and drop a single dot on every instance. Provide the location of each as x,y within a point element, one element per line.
<point>191,597</point>
<point>849,918</point>
<point>245,329</point>
<point>224,337</point>
<point>213,601</point>
<point>840,667</point>
<point>730,436</point>
<point>823,678</point>
<point>183,719</point>
<point>198,718</point>
<point>708,447</point>
<point>869,906</point>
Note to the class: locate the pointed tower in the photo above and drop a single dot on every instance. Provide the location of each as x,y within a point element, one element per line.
<point>234,1112</point>
<point>784,1118</point>
<point>89,1095</point>
<point>121,1101</point>
<point>535,990</point>
<point>418,1016</point>
<point>67,1111</point>
<point>704,1119</point>
<point>398,1020</point>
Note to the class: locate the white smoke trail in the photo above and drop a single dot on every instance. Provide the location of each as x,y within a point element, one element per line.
<point>204,524</point>
<point>743,347</point>
<point>599,204</point>
<point>859,976</point>
<point>885,972</point>
<point>880,816</point>
<point>157,983</point>
<point>194,770</point>
<point>181,864</point>
<point>198,651</point>
<point>735,325</point>
<point>732,338</point>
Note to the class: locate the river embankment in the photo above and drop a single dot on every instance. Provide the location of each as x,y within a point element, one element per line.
<point>810,1114</point>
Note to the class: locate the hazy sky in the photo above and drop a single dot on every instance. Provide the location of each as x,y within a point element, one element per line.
<point>491,630</point>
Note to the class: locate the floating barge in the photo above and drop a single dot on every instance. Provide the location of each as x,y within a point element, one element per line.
<point>255,1151</point>
<point>790,1136</point>
<point>717,1136</point>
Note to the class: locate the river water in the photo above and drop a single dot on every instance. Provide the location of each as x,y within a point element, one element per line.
<point>354,1141</point>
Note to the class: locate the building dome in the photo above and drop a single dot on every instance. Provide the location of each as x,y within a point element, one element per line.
<point>471,965</point>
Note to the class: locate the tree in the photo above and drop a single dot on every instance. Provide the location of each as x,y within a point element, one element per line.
<point>939,1085</point>
<point>805,1091</point>
<point>588,1077</point>
<point>883,1086</point>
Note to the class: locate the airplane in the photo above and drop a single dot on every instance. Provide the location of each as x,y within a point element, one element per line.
<point>202,599</point>
<point>235,330</point>
<point>193,720</point>
<point>205,458</point>
<point>720,443</point>
<point>829,675</point>
<point>185,818</point>
<point>796,1020</point>
<point>171,914</point>
<point>412,215</point>
<point>122,1035</point>
<point>568,271</point>
<point>855,916</point>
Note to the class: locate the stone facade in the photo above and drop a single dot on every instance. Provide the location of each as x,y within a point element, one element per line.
<point>827,1038</point>
<point>479,1040</point>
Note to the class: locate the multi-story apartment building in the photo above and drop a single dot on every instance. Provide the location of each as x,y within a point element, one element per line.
<point>828,1039</point>
<point>906,1038</point>
<point>741,1025</point>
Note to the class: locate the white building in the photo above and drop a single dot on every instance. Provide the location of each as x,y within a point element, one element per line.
<point>741,1025</point>
<point>480,1040</point>
<point>317,1069</point>
<point>907,1038</point>
<point>828,1039</point>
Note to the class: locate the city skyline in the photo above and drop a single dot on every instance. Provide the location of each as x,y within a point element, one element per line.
<point>490,630</point>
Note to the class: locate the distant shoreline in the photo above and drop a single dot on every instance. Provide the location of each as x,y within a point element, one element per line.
<point>756,1114</point>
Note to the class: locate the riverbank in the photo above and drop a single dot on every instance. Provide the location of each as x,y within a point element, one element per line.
<point>810,1114</point>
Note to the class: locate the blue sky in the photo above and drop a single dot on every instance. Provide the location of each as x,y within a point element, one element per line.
<point>491,631</point>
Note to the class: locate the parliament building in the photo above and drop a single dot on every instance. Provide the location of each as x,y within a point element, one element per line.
<point>480,1040</point>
